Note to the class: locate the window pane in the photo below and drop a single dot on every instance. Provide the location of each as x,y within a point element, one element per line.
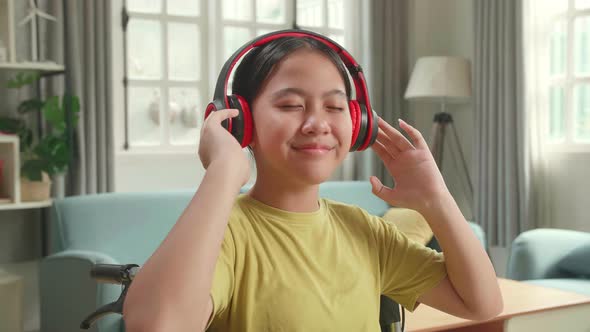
<point>144,6</point>
<point>558,49</point>
<point>310,13</point>
<point>240,10</point>
<point>144,107</point>
<point>582,4</point>
<point>556,113</point>
<point>144,49</point>
<point>339,39</point>
<point>582,45</point>
<point>184,58</point>
<point>185,109</point>
<point>270,11</point>
<point>183,7</point>
<point>554,6</point>
<point>582,113</point>
<point>233,38</point>
<point>336,14</point>
<point>260,32</point>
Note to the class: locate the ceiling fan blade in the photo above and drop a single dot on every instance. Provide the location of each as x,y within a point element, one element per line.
<point>46,16</point>
<point>26,19</point>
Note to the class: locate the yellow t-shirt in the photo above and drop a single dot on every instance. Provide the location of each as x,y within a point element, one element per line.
<point>318,271</point>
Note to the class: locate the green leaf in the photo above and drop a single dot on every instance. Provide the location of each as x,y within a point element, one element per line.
<point>11,125</point>
<point>18,127</point>
<point>23,78</point>
<point>54,151</point>
<point>74,104</point>
<point>30,106</point>
<point>32,169</point>
<point>54,114</point>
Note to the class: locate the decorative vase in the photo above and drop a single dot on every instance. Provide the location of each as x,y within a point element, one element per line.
<point>33,191</point>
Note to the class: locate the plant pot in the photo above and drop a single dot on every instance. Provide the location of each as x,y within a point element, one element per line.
<point>33,191</point>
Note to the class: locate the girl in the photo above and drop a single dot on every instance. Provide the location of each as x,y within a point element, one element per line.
<point>279,258</point>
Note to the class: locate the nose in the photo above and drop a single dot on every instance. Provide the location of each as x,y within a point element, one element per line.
<point>315,124</point>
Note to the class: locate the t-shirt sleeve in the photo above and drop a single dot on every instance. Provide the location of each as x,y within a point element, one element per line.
<point>223,280</point>
<point>407,268</point>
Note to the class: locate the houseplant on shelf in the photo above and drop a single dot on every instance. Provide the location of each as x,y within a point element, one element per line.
<point>48,154</point>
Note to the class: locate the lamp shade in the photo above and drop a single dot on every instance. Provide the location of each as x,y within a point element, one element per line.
<point>440,78</point>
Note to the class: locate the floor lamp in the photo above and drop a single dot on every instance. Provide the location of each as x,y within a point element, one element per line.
<point>444,80</point>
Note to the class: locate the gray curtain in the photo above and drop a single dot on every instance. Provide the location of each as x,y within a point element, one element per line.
<point>500,149</point>
<point>81,42</point>
<point>389,74</point>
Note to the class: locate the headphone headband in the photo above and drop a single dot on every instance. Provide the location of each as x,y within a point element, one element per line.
<point>351,65</point>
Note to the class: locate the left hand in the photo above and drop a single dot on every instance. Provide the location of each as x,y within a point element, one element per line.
<point>418,180</point>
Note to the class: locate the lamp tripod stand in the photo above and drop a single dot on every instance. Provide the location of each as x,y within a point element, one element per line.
<point>442,122</point>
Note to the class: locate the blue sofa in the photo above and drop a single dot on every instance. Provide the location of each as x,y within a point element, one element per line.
<point>122,228</point>
<point>554,258</point>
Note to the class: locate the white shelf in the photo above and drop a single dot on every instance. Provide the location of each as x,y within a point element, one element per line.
<point>25,205</point>
<point>42,66</point>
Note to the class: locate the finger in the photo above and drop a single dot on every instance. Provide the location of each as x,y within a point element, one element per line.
<point>387,143</point>
<point>381,191</point>
<point>414,134</point>
<point>221,115</point>
<point>382,152</point>
<point>396,137</point>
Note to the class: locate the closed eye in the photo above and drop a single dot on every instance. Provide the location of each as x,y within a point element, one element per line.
<point>336,108</point>
<point>292,107</point>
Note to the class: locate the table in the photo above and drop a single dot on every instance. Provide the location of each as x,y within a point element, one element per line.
<point>527,307</point>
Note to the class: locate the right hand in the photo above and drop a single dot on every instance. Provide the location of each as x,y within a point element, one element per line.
<point>218,146</point>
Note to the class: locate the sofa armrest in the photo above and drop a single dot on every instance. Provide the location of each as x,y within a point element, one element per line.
<point>536,254</point>
<point>68,293</point>
<point>479,233</point>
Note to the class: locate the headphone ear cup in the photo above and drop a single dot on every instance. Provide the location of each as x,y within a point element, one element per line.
<point>371,128</point>
<point>248,121</point>
<point>363,124</point>
<point>374,129</point>
<point>237,122</point>
<point>214,106</point>
<point>354,116</point>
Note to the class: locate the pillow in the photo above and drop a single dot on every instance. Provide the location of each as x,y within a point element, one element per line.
<point>577,262</point>
<point>411,223</point>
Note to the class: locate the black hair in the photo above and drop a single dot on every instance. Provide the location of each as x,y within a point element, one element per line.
<point>257,65</point>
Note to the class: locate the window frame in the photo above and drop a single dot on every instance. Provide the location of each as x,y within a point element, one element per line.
<point>568,81</point>
<point>213,59</point>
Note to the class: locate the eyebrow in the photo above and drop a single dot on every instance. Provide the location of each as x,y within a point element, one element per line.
<point>283,92</point>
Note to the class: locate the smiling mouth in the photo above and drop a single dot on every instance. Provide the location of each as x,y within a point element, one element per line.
<point>314,150</point>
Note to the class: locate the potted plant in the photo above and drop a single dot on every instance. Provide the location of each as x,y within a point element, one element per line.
<point>49,154</point>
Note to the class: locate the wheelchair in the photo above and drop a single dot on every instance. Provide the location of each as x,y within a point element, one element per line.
<point>123,274</point>
<point>112,274</point>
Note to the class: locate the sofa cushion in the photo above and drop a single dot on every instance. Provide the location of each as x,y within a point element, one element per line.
<point>577,262</point>
<point>411,223</point>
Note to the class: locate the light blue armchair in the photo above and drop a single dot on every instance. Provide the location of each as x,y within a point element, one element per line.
<point>553,258</point>
<point>122,228</point>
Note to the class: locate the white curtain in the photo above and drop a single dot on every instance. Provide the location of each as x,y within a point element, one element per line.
<point>501,196</point>
<point>536,31</point>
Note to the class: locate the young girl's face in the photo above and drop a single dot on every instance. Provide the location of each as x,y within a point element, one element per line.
<point>303,127</point>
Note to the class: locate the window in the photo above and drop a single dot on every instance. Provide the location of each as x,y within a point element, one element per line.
<point>175,49</point>
<point>569,71</point>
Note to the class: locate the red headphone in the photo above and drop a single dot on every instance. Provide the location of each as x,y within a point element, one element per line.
<point>364,119</point>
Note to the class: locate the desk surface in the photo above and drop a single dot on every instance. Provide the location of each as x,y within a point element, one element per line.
<point>519,298</point>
